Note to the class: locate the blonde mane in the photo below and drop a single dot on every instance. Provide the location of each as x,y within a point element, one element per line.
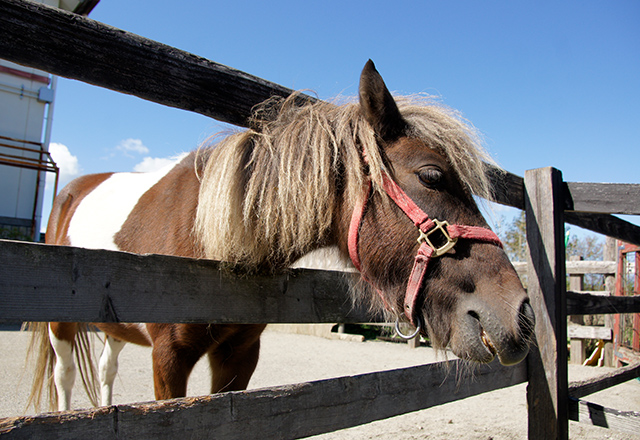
<point>270,194</point>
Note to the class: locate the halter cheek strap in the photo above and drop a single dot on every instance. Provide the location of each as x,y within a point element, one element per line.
<point>429,247</point>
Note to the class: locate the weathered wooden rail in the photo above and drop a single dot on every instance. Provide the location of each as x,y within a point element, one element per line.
<point>78,285</point>
<point>73,46</point>
<point>284,412</point>
<point>86,285</point>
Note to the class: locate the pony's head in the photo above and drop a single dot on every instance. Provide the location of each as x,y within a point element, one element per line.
<point>469,297</point>
<point>291,184</point>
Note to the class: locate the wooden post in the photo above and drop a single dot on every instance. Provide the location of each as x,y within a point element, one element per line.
<point>619,289</point>
<point>610,253</point>
<point>578,346</point>
<point>547,393</point>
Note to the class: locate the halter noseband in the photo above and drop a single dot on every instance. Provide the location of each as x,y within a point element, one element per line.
<point>427,250</point>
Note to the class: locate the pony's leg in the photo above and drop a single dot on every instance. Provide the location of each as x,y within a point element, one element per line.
<point>176,349</point>
<point>234,360</point>
<point>62,335</point>
<point>109,368</point>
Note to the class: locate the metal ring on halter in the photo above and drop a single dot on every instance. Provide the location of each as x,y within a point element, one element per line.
<point>412,335</point>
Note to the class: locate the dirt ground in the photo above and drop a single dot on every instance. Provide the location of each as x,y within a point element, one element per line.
<point>290,358</point>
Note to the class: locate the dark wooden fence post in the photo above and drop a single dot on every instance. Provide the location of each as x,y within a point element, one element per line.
<point>547,393</point>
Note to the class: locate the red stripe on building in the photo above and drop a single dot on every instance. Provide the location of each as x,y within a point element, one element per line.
<point>26,75</point>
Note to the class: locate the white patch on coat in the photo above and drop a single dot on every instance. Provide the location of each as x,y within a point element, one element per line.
<point>108,368</point>
<point>101,214</point>
<point>64,373</point>
<point>327,258</point>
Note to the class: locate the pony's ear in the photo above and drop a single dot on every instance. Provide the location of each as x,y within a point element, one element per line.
<point>378,106</point>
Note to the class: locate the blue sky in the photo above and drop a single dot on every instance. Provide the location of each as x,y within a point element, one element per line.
<point>547,83</point>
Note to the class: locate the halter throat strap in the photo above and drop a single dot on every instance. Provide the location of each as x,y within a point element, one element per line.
<point>429,229</point>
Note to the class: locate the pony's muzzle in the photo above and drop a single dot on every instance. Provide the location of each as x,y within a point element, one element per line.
<point>487,332</point>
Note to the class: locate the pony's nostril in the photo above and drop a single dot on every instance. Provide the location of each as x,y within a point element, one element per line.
<point>474,314</point>
<point>526,318</point>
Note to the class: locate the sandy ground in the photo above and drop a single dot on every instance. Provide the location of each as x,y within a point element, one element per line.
<point>289,358</point>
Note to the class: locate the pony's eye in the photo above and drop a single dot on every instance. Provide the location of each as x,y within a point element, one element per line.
<point>430,176</point>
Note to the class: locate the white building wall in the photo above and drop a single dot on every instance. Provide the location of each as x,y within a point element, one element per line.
<point>24,96</point>
<point>21,118</point>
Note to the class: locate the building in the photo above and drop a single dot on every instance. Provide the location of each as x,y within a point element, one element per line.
<point>26,114</point>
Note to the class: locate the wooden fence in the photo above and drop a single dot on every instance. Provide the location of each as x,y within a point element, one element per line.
<point>48,283</point>
<point>578,331</point>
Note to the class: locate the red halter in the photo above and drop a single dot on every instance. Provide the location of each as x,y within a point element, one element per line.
<point>426,228</point>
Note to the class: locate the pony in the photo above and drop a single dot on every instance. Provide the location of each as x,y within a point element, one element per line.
<point>384,182</point>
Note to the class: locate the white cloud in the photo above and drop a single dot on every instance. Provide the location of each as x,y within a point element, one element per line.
<point>149,164</point>
<point>130,145</point>
<point>67,163</point>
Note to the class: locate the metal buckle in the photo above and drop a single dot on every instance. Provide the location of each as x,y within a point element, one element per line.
<point>449,242</point>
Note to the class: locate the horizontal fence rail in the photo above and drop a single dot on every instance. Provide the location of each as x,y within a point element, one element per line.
<point>583,388</point>
<point>508,189</point>
<point>579,267</point>
<point>87,285</point>
<point>590,413</point>
<point>284,412</point>
<point>587,304</point>
<point>609,198</point>
<point>76,47</point>
<point>605,224</point>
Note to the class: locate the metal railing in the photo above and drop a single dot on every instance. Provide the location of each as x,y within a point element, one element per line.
<point>30,155</point>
